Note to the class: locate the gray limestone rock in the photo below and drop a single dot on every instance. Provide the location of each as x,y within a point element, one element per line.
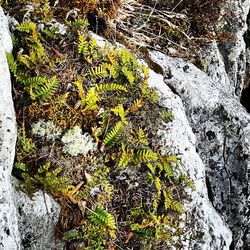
<point>225,61</point>
<point>222,127</point>
<point>205,228</point>
<point>37,220</point>
<point>9,234</point>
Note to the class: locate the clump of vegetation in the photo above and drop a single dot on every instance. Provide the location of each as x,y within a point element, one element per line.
<point>87,125</point>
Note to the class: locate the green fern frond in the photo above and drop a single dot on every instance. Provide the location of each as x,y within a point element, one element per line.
<point>145,155</point>
<point>24,59</point>
<point>114,135</point>
<point>101,218</point>
<point>119,111</point>
<point>102,88</point>
<point>91,99</point>
<point>176,206</point>
<point>26,27</point>
<point>11,62</point>
<point>168,198</point>
<point>142,137</point>
<point>112,70</point>
<point>34,81</point>
<point>39,50</point>
<point>98,72</point>
<point>126,157</point>
<point>80,89</point>
<point>83,45</point>
<point>44,90</point>
<point>129,75</point>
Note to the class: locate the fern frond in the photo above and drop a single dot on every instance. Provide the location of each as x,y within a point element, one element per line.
<point>80,89</point>
<point>126,157</point>
<point>112,69</point>
<point>83,45</point>
<point>145,155</point>
<point>34,81</point>
<point>168,197</point>
<point>176,206</point>
<point>114,135</point>
<point>11,62</point>
<point>102,88</point>
<point>101,218</point>
<point>91,100</point>
<point>138,103</point>
<point>129,75</point>
<point>24,59</point>
<point>45,90</point>
<point>26,27</point>
<point>119,111</point>
<point>98,72</point>
<point>142,137</point>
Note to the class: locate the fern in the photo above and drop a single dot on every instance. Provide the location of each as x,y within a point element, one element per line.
<point>119,111</point>
<point>142,137</point>
<point>91,100</point>
<point>176,206</point>
<point>128,74</point>
<point>114,135</point>
<point>138,103</point>
<point>168,197</point>
<point>27,27</point>
<point>82,44</point>
<point>12,63</point>
<point>102,88</point>
<point>51,181</point>
<point>98,72</point>
<point>126,157</point>
<point>24,59</point>
<point>101,218</point>
<point>80,89</point>
<point>44,90</point>
<point>145,155</point>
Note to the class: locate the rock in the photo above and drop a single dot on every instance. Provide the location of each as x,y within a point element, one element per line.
<point>222,127</point>
<point>205,228</point>
<point>37,220</point>
<point>9,234</point>
<point>225,59</point>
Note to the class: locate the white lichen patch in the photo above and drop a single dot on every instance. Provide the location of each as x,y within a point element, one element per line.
<point>48,130</point>
<point>77,143</point>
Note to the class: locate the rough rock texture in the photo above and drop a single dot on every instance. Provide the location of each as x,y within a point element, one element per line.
<point>205,228</point>
<point>225,61</point>
<point>9,235</point>
<point>37,219</point>
<point>222,128</point>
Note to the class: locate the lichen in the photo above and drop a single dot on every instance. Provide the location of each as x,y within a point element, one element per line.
<point>47,130</point>
<point>76,143</point>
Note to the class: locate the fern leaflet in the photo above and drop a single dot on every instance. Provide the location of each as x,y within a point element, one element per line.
<point>114,135</point>
<point>101,218</point>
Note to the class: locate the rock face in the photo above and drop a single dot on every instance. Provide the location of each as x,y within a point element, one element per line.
<point>222,127</point>
<point>9,234</point>
<point>37,219</point>
<point>205,228</point>
<point>225,61</point>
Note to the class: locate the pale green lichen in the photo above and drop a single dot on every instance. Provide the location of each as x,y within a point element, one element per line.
<point>48,130</point>
<point>76,143</point>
